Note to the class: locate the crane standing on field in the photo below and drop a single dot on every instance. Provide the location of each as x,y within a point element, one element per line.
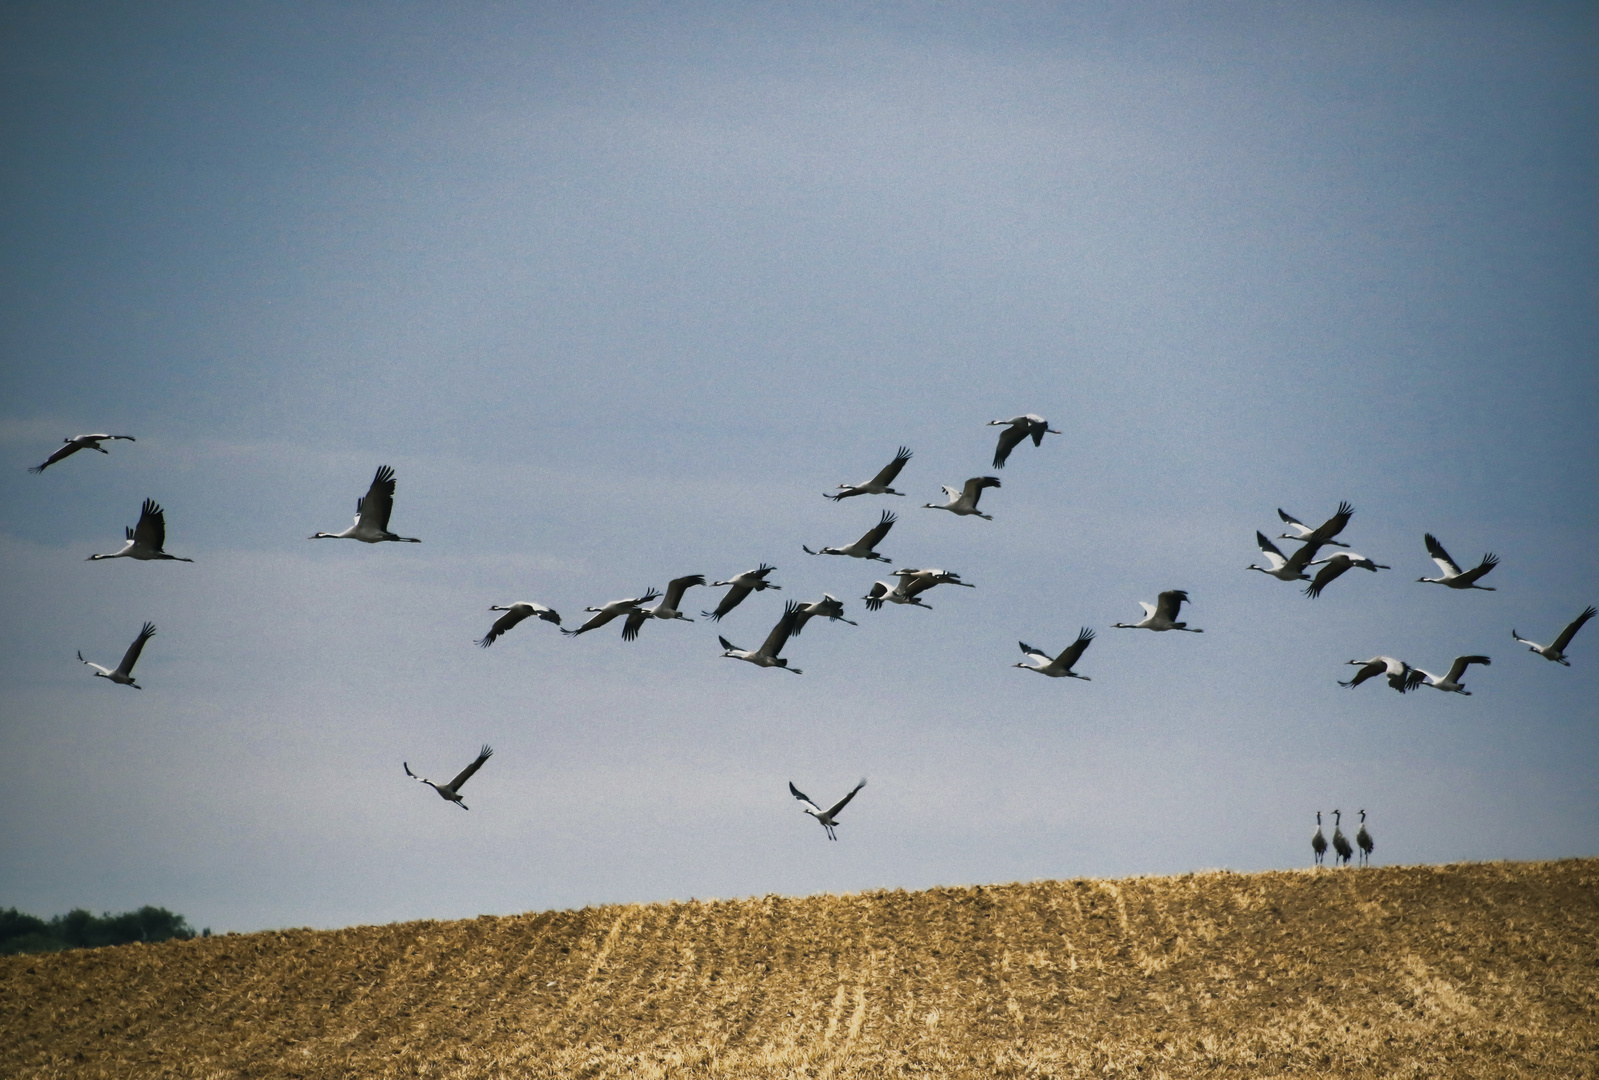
<point>1340,842</point>
<point>1364,841</point>
<point>1318,843</point>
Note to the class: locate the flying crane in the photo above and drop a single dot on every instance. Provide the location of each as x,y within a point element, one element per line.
<point>372,512</point>
<point>123,675</point>
<point>74,443</point>
<point>146,540</point>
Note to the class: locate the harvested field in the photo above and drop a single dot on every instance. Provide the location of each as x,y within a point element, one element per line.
<point>1485,970</point>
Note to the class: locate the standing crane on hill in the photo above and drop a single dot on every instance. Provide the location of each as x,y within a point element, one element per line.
<point>452,791</point>
<point>1453,576</point>
<point>515,613</point>
<point>1556,651</point>
<point>827,818</point>
<point>372,512</point>
<point>74,443</point>
<point>877,485</point>
<point>123,674</point>
<point>1018,428</point>
<point>1318,843</point>
<point>1340,843</point>
<point>1364,841</point>
<point>147,540</point>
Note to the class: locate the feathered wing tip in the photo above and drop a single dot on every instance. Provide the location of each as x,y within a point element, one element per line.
<point>726,644</point>
<point>485,641</point>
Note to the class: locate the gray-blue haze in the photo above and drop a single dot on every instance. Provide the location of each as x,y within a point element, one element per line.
<point>620,291</point>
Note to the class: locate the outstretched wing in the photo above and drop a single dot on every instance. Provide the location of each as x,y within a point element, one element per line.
<point>802,797</point>
<point>151,532</point>
<point>1007,442</point>
<point>1270,550</point>
<point>973,489</point>
<point>1458,668</point>
<point>375,507</point>
<point>65,451</point>
<point>836,807</point>
<point>1333,525</point>
<point>735,596</point>
<point>1440,556</point>
<point>131,657</point>
<point>635,619</point>
<point>1489,561</point>
<point>1371,670</point>
<point>781,632</point>
<point>1334,567</point>
<point>1039,654</point>
<point>1571,631</point>
<point>678,586</point>
<point>1168,603</point>
<point>1289,519</point>
<point>1073,652</point>
<point>874,596</point>
<point>875,534</point>
<point>887,474</point>
<point>466,773</point>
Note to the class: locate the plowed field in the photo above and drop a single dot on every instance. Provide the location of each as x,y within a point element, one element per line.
<point>1488,970</point>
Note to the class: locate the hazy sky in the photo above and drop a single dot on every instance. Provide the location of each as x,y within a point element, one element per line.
<point>620,291</point>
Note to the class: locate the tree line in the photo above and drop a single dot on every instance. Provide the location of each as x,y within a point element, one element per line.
<point>80,929</point>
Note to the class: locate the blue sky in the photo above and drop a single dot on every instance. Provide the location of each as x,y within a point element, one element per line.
<point>619,291</point>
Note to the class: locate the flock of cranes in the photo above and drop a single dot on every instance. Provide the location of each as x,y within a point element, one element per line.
<point>1340,843</point>
<point>905,586</point>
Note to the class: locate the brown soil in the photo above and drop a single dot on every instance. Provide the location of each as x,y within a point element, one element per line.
<point>1476,970</point>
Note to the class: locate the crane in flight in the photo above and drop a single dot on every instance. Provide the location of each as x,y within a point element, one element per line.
<point>1281,567</point>
<point>877,485</point>
<point>666,609</point>
<point>606,612</point>
<point>829,817</point>
<point>829,605</point>
<point>1061,665</point>
<point>963,501</point>
<point>1398,672</point>
<point>1334,566</point>
<point>1323,533</point>
<point>372,512</point>
<point>72,444</point>
<point>912,583</point>
<point>452,790</point>
<point>1453,576</point>
<point>123,675</point>
<point>1162,614</point>
<point>1018,428</point>
<point>862,548</point>
<point>1449,681</point>
<point>1556,650</point>
<point>742,585</point>
<point>766,656</point>
<point>146,540</point>
<point>515,613</point>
